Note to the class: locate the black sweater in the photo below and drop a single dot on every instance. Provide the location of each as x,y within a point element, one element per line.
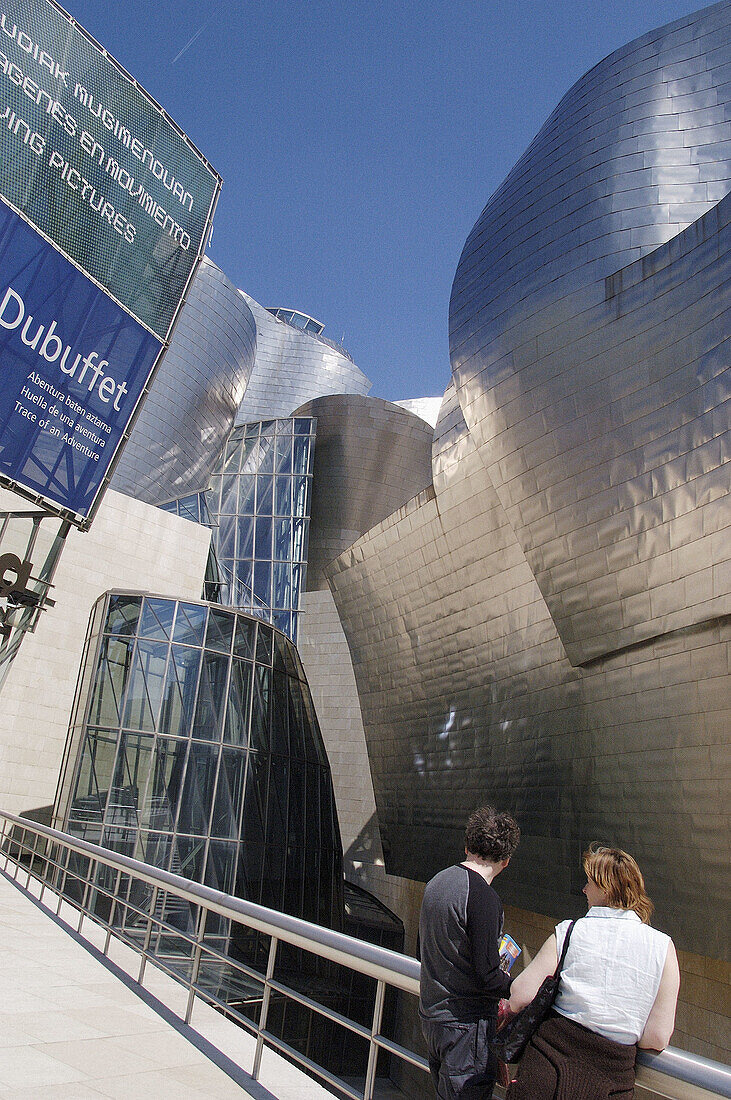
<point>460,926</point>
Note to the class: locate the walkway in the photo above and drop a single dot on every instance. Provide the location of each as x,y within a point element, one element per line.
<point>74,1025</point>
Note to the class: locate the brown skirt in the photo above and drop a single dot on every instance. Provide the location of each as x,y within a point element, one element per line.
<point>565,1061</point>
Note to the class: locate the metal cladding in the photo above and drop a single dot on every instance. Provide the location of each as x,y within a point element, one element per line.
<point>545,626</point>
<point>192,402</point>
<point>587,340</point>
<point>370,458</point>
<point>292,367</point>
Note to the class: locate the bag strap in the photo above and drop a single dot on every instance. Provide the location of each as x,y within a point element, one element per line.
<point>564,949</point>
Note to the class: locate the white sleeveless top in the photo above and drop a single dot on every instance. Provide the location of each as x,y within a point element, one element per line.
<point>611,973</point>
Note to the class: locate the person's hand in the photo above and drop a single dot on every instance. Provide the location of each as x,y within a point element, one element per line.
<point>503,1013</point>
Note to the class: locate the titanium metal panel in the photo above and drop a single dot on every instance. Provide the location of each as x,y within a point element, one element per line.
<point>370,458</point>
<point>588,332</point>
<point>468,696</point>
<point>292,367</point>
<point>193,399</point>
<point>546,626</point>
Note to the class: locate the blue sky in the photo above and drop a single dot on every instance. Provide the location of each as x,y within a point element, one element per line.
<point>359,141</point>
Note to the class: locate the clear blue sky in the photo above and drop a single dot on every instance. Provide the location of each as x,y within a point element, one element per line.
<point>358,140</point>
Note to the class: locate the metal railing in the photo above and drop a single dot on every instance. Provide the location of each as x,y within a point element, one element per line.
<point>72,868</point>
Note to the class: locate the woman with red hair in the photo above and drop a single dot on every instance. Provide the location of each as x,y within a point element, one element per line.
<point>618,990</point>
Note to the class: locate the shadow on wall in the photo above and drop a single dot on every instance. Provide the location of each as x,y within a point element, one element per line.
<point>365,852</point>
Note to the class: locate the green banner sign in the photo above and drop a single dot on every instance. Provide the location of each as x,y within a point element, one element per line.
<point>97,166</point>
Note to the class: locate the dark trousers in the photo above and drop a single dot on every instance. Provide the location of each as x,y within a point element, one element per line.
<point>461,1064</point>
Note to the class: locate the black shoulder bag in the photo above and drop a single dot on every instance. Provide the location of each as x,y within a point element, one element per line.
<point>512,1039</point>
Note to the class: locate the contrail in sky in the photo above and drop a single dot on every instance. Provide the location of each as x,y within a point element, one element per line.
<point>190,43</point>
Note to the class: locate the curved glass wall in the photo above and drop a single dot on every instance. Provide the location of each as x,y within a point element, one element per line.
<point>195,747</point>
<point>259,502</point>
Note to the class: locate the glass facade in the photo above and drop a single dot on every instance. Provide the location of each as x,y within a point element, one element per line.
<point>193,507</point>
<point>195,748</point>
<point>259,502</point>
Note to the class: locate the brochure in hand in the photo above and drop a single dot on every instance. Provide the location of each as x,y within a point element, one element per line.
<point>509,952</point>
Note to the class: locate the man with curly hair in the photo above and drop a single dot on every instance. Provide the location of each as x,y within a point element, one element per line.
<point>461,980</point>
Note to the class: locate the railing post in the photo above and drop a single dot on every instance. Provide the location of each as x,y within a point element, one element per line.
<point>32,860</point>
<point>202,917</point>
<point>21,846</point>
<point>44,876</point>
<point>6,841</point>
<point>148,936</point>
<point>62,883</point>
<point>370,1078</point>
<point>264,1008</point>
<point>112,911</point>
<point>93,864</point>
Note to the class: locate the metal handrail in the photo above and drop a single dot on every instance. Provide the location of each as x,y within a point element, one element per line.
<point>388,968</point>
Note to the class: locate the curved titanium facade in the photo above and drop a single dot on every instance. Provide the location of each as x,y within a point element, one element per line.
<point>595,394</point>
<point>370,457</point>
<point>259,502</point>
<point>195,747</point>
<point>293,366</point>
<point>547,627</point>
<point>194,396</point>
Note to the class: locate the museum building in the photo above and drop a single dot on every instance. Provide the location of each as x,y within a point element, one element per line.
<point>310,629</point>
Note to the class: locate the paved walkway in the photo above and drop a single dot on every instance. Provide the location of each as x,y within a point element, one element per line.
<point>75,1026</point>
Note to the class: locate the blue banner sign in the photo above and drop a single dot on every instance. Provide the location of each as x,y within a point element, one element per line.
<point>73,365</point>
<point>89,158</point>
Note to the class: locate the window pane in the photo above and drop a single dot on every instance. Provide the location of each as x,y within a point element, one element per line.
<point>264,645</point>
<point>301,457</point>
<point>220,630</point>
<point>197,800</point>
<point>168,767</point>
<point>237,711</point>
<point>246,503</point>
<point>131,776</point>
<point>260,708</point>
<point>92,786</point>
<point>245,637</point>
<point>224,537</point>
<point>298,535</point>
<point>263,549</point>
<point>211,694</point>
<point>246,538</point>
<point>281,590</point>
<point>190,623</point>
<point>124,611</point>
<point>283,496</point>
<point>229,793</point>
<point>266,454</point>
<point>264,495</point>
<point>262,581</point>
<point>280,715</point>
<point>157,618</point>
<point>229,495</point>
<point>283,460</point>
<point>179,694</point>
<point>111,679</point>
<point>282,549</point>
<point>299,496</point>
<point>144,691</point>
<point>220,873</point>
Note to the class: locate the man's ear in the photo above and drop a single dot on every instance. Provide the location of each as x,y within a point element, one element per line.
<point>506,862</point>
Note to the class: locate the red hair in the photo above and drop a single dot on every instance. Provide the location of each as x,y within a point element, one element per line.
<point>617,874</point>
